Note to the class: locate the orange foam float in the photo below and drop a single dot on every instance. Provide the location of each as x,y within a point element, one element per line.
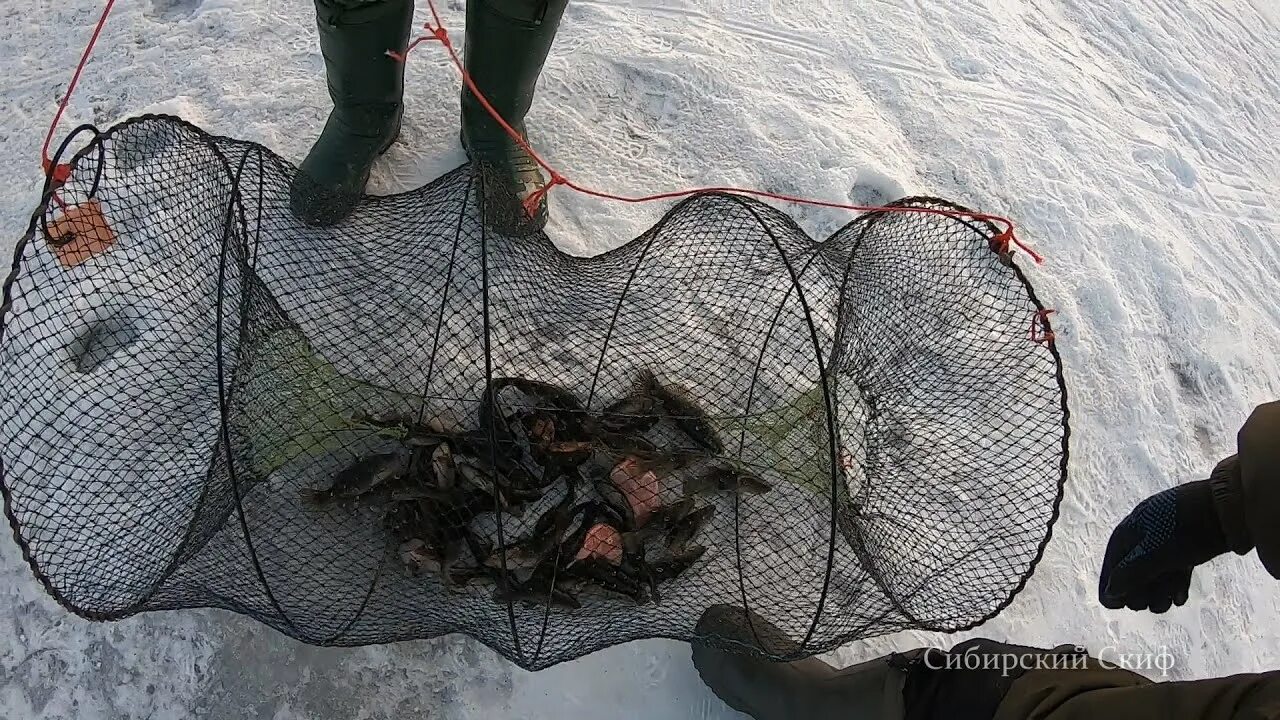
<point>80,233</point>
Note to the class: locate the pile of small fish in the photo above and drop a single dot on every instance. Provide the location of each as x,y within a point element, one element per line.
<point>605,529</point>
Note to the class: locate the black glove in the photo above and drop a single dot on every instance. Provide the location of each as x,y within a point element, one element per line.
<point>1153,551</point>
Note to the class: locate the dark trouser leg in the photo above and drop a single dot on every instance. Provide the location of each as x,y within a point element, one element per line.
<point>506,45</point>
<point>367,88</point>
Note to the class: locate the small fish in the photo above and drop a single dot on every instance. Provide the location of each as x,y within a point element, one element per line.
<point>616,504</point>
<point>480,548</point>
<point>512,478</point>
<point>521,479</point>
<point>444,520</point>
<point>473,473</point>
<point>688,528</point>
<point>639,403</point>
<point>655,574</point>
<point>414,431</point>
<point>360,477</point>
<point>519,495</point>
<point>659,523</point>
<point>606,512</point>
<point>382,494</point>
<point>536,593</point>
<point>414,553</point>
<point>604,575</point>
<point>471,503</point>
<point>418,555</point>
<point>725,478</point>
<point>536,394</point>
<point>402,520</point>
<point>390,419</point>
<point>481,448</point>
<point>443,465</point>
<point>570,447</point>
<point>665,463</point>
<point>462,577</point>
<point>542,430</point>
<point>443,422</point>
<point>633,414</point>
<point>503,497</point>
<point>546,533</point>
<point>554,396</point>
<point>623,444</point>
<point>422,441</point>
<point>450,552</point>
<point>545,582</point>
<point>418,470</point>
<point>515,558</point>
<point>682,410</point>
<point>421,492</point>
<point>511,505</point>
<point>674,567</point>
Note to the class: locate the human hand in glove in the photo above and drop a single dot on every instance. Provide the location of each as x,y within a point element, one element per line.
<point>1153,551</point>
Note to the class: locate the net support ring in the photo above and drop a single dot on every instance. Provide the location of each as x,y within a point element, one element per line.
<point>57,173</point>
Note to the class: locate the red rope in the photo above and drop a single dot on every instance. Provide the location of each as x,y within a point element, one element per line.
<point>62,172</point>
<point>1002,243</point>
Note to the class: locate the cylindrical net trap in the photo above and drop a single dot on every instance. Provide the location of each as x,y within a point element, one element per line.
<point>408,425</point>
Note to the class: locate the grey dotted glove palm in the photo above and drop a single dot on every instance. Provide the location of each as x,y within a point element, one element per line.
<point>1152,552</point>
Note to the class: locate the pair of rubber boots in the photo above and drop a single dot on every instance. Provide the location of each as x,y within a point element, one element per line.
<point>506,43</point>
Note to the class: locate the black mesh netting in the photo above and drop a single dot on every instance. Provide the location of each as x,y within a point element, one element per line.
<point>409,425</point>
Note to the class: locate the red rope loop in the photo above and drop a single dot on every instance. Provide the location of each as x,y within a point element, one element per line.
<point>1041,331</point>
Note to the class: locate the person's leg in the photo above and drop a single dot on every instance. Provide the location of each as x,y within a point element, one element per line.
<point>367,88</point>
<point>805,689</point>
<point>506,45</point>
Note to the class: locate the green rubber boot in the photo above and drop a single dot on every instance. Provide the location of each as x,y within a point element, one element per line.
<point>507,42</point>
<point>806,689</point>
<point>367,87</point>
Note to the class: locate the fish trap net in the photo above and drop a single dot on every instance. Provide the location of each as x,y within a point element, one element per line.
<point>408,425</point>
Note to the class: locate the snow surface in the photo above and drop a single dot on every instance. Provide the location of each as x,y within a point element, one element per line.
<point>1133,140</point>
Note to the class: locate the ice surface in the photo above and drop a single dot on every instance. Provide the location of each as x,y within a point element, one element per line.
<point>1133,140</point>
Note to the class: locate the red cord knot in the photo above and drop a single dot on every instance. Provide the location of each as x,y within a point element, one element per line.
<point>440,34</point>
<point>535,198</point>
<point>59,173</point>
<point>1041,331</point>
<point>1003,240</point>
<point>433,33</point>
<point>1006,240</point>
<point>846,458</point>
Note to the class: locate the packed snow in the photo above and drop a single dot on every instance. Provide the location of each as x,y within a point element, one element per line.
<point>1133,141</point>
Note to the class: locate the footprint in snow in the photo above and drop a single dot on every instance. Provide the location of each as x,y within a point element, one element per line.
<point>1167,165</point>
<point>874,188</point>
<point>968,68</point>
<point>172,10</point>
